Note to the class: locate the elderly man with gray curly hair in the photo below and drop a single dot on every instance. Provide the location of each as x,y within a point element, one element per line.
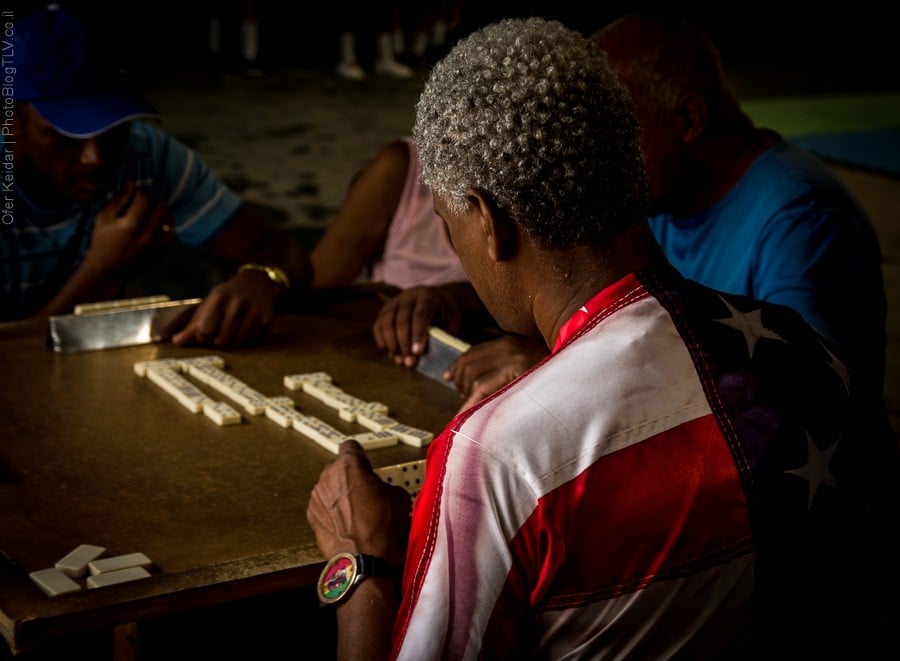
<point>676,479</point>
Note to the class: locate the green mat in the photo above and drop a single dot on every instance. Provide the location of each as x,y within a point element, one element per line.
<point>858,130</point>
<point>827,114</point>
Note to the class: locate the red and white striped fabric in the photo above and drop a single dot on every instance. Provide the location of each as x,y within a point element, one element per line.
<point>603,505</point>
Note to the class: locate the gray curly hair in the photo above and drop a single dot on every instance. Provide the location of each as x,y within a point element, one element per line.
<point>530,113</point>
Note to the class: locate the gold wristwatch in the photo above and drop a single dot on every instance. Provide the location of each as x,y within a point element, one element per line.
<point>275,274</point>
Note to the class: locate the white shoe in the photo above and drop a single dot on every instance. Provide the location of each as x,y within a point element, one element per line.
<point>393,69</point>
<point>350,71</point>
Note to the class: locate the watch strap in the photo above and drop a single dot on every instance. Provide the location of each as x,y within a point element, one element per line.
<point>370,565</point>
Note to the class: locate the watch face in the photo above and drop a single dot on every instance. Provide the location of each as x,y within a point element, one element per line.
<point>337,578</point>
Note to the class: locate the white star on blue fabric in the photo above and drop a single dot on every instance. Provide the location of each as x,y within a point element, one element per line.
<point>750,324</point>
<point>815,471</point>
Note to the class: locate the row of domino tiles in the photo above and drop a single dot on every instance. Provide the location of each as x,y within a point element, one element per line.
<point>62,577</point>
<point>169,374</point>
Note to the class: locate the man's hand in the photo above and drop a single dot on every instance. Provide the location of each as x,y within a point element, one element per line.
<point>127,231</point>
<point>242,309</point>
<point>352,509</point>
<point>402,324</point>
<point>235,313</point>
<point>131,230</point>
<point>402,329</point>
<point>489,366</point>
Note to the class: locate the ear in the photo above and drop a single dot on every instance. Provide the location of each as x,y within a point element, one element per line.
<point>691,115</point>
<point>500,233</point>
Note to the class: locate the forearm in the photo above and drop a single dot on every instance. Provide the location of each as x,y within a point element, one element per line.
<point>279,251</point>
<point>88,283</point>
<point>338,262</point>
<point>358,233</point>
<point>366,621</point>
<point>248,239</point>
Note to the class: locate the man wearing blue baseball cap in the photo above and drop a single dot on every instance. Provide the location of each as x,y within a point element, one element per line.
<point>97,190</point>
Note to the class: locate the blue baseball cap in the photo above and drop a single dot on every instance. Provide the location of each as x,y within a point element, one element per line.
<point>55,74</point>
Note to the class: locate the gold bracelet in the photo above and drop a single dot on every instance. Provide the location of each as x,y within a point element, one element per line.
<point>275,274</point>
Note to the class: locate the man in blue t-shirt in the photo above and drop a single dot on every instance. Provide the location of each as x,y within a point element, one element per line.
<point>97,191</point>
<point>742,210</point>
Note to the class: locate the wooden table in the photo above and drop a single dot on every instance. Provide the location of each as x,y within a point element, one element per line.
<point>91,453</point>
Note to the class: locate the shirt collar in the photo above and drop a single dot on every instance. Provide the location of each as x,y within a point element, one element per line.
<point>605,300</point>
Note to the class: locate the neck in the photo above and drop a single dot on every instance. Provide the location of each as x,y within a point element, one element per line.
<point>741,151</point>
<point>723,159</point>
<point>568,279</point>
<point>712,165</point>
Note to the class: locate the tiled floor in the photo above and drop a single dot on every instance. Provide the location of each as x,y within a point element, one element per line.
<point>290,140</point>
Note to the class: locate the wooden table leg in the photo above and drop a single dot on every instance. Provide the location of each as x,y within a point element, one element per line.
<point>124,642</point>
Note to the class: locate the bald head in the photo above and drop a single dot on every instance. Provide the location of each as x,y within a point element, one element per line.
<point>658,58</point>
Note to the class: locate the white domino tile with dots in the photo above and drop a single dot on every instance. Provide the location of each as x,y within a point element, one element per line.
<point>296,381</point>
<point>368,408</point>
<point>191,397</point>
<point>409,475</point>
<point>283,413</point>
<point>118,304</point>
<point>321,390</point>
<point>140,367</point>
<point>171,375</point>
<point>321,432</point>
<point>203,368</point>
<point>211,360</point>
<point>412,435</point>
<point>375,421</point>
<point>253,401</point>
<point>221,413</point>
<point>341,400</point>
<point>372,440</point>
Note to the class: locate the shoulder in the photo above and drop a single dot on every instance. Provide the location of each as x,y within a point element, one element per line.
<point>151,133</point>
<point>155,151</point>
<point>148,139</point>
<point>791,169</point>
<point>786,180</point>
<point>388,167</point>
<point>394,156</point>
<point>148,132</point>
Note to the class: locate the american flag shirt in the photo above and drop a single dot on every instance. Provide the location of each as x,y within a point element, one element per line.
<point>678,479</point>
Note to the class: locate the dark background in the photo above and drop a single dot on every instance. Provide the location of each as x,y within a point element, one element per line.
<point>849,45</point>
